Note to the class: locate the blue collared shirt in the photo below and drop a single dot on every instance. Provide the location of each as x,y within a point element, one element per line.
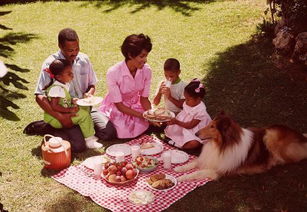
<point>84,75</point>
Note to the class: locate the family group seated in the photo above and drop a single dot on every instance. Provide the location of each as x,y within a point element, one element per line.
<point>68,76</point>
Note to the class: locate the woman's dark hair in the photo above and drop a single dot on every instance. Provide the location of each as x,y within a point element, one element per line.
<point>195,89</point>
<point>67,34</point>
<point>55,68</point>
<point>134,44</point>
<point>171,64</point>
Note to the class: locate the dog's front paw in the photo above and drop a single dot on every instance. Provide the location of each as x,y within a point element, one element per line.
<point>181,178</point>
<point>179,169</point>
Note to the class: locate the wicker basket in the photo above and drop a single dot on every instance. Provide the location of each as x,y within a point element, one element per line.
<point>56,157</point>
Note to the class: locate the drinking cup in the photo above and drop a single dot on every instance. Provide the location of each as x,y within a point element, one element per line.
<point>168,83</point>
<point>119,157</point>
<point>167,160</point>
<point>97,169</point>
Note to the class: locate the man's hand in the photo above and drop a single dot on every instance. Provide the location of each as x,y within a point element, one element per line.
<point>74,109</point>
<point>74,101</point>
<point>87,95</point>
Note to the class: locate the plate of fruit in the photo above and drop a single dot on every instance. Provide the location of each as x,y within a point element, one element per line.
<point>119,173</point>
<point>145,163</point>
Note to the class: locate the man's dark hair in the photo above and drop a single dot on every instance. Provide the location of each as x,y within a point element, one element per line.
<point>171,64</point>
<point>67,34</point>
<point>134,44</point>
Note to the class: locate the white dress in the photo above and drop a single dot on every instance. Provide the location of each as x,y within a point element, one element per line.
<point>180,135</point>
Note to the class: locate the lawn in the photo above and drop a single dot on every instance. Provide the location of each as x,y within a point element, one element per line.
<point>212,40</point>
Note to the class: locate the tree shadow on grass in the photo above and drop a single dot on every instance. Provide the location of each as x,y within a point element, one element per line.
<point>243,82</point>
<point>69,202</point>
<point>11,80</point>
<point>185,7</point>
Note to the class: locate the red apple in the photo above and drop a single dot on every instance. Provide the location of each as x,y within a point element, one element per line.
<point>129,166</point>
<point>112,178</point>
<point>129,174</point>
<point>118,178</point>
<point>112,169</point>
<point>105,172</point>
<point>122,178</point>
<point>124,170</point>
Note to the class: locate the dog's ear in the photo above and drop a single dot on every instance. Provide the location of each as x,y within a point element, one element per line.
<point>223,124</point>
<point>220,115</point>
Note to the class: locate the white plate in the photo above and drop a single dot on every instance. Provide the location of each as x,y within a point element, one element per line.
<point>179,156</point>
<point>90,101</point>
<point>172,115</point>
<point>141,197</point>
<point>154,150</point>
<point>90,162</point>
<point>173,179</point>
<point>125,148</point>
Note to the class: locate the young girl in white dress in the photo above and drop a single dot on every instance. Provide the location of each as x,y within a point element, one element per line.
<point>181,130</point>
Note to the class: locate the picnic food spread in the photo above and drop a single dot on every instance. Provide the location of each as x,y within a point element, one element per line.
<point>159,181</point>
<point>117,196</point>
<point>159,115</point>
<point>119,173</point>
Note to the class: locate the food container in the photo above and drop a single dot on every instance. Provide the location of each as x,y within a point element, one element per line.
<point>56,153</point>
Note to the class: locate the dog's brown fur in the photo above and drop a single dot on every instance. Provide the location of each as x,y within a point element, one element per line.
<point>262,149</point>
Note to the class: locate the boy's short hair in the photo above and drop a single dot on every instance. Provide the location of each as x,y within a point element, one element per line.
<point>67,34</point>
<point>134,44</point>
<point>171,64</point>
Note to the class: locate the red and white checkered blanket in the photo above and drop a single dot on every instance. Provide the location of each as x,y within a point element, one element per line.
<point>115,197</point>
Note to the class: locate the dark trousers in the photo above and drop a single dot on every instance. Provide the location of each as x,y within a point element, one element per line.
<point>103,127</point>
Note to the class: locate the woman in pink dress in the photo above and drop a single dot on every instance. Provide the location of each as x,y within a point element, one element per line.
<point>181,130</point>
<point>128,88</point>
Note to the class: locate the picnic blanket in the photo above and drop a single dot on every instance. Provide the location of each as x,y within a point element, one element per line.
<point>115,197</point>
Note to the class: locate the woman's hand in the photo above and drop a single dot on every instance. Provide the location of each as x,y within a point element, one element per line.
<point>157,124</point>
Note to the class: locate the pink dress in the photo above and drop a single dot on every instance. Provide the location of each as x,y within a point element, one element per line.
<point>128,90</point>
<point>180,135</point>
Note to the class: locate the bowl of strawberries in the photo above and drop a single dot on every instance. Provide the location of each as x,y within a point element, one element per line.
<point>119,172</point>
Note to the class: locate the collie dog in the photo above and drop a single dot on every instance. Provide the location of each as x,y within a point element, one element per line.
<point>230,149</point>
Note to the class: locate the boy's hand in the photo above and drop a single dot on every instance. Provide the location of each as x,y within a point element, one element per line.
<point>166,92</point>
<point>162,86</point>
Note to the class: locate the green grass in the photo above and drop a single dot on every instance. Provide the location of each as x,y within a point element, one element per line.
<point>212,40</point>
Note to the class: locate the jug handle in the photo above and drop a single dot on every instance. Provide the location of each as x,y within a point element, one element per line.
<point>45,136</point>
<point>46,162</point>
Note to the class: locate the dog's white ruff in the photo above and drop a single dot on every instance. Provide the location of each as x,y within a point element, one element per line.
<point>213,163</point>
